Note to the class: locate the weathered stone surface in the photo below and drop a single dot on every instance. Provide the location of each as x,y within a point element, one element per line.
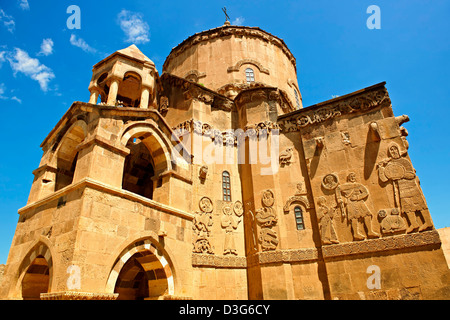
<point>212,182</point>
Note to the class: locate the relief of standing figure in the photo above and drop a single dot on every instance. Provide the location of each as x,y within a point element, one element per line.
<point>407,194</point>
<point>355,195</point>
<point>325,217</point>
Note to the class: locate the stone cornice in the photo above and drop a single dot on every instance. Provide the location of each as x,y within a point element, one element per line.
<point>361,100</point>
<point>264,93</point>
<point>103,142</point>
<point>87,182</point>
<point>225,31</point>
<point>192,90</point>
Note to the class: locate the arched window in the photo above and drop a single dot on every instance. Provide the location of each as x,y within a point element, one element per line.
<point>138,170</point>
<point>297,100</point>
<point>299,218</point>
<point>249,75</point>
<point>226,186</point>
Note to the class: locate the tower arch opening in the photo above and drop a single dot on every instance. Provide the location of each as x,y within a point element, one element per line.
<point>139,169</point>
<point>36,279</point>
<point>67,154</point>
<point>129,94</point>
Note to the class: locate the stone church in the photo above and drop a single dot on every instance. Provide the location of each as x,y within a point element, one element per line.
<point>212,181</point>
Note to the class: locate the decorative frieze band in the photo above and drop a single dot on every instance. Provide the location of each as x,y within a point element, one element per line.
<point>360,102</point>
<point>207,260</point>
<point>311,254</point>
<point>227,137</point>
<point>75,295</point>
<point>283,256</point>
<point>383,244</point>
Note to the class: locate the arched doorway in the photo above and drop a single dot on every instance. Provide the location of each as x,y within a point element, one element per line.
<point>36,279</point>
<point>142,277</point>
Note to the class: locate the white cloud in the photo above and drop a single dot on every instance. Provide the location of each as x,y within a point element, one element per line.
<point>2,92</point>
<point>2,57</point>
<point>238,21</point>
<point>8,21</point>
<point>24,4</point>
<point>16,99</point>
<point>80,43</point>
<point>135,28</point>
<point>20,61</point>
<point>46,47</point>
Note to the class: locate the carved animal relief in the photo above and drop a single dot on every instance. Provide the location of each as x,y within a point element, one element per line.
<point>266,218</point>
<point>391,223</point>
<point>202,227</point>
<point>286,157</point>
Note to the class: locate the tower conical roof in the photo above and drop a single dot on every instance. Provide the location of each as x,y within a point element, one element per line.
<point>132,52</point>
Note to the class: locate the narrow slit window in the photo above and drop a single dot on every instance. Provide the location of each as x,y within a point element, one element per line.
<point>249,75</point>
<point>226,186</point>
<point>299,218</point>
<point>297,100</point>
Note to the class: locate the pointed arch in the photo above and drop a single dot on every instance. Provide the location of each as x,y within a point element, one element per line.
<point>35,272</point>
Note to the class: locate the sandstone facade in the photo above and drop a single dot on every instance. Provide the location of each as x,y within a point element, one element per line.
<point>212,181</point>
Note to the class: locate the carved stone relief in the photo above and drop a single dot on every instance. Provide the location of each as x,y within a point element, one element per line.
<point>363,102</point>
<point>238,208</point>
<point>266,218</point>
<point>202,223</point>
<point>325,216</point>
<point>286,157</point>
<point>163,105</point>
<point>351,198</point>
<point>408,197</point>
<point>229,222</point>
<point>391,223</point>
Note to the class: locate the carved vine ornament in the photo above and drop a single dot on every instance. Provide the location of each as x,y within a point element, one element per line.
<point>360,103</point>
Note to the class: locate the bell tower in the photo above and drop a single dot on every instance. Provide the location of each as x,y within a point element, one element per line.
<point>125,78</point>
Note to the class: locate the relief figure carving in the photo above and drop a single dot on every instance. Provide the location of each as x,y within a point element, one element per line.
<point>266,218</point>
<point>407,194</point>
<point>202,227</point>
<point>355,195</point>
<point>229,223</point>
<point>325,217</point>
<point>351,197</point>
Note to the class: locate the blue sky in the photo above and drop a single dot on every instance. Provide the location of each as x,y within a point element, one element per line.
<point>45,66</point>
